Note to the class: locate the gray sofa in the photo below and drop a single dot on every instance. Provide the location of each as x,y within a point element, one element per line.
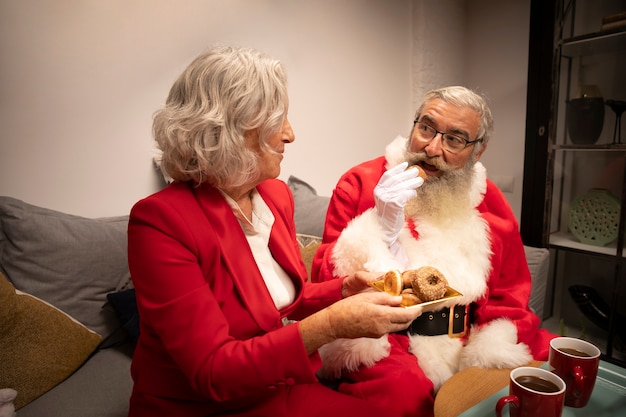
<point>79,366</point>
<point>62,366</point>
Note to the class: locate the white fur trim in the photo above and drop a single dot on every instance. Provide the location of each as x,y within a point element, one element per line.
<point>466,242</point>
<point>349,354</point>
<point>479,185</point>
<point>361,247</point>
<point>394,152</point>
<point>495,346</point>
<point>438,356</point>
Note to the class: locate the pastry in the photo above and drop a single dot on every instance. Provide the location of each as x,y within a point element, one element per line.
<point>416,286</point>
<point>420,172</point>
<point>428,283</point>
<point>393,282</point>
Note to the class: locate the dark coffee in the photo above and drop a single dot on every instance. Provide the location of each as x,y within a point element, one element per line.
<point>537,384</point>
<point>575,352</point>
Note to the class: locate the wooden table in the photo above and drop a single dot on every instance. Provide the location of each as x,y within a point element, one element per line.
<point>467,388</point>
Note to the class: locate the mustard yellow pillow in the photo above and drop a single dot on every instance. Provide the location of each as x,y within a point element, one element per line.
<point>308,248</point>
<point>40,345</point>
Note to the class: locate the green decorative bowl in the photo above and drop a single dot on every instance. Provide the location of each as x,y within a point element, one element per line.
<point>594,217</point>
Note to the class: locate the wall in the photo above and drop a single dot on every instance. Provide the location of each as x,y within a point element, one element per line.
<point>482,44</point>
<point>498,66</point>
<point>80,79</point>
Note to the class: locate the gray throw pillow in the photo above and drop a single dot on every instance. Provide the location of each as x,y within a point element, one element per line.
<point>310,208</point>
<point>69,261</point>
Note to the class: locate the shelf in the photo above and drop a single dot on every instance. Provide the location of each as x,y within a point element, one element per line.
<point>594,43</point>
<point>618,147</point>
<point>566,240</point>
<point>597,58</point>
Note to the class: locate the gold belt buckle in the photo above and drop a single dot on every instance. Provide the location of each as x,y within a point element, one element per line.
<point>451,318</point>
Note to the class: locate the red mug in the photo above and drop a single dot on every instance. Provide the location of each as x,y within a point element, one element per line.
<point>576,362</point>
<point>533,392</point>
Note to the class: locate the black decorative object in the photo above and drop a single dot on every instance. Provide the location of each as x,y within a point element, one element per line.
<point>591,305</point>
<point>618,107</point>
<point>585,115</point>
<point>596,309</point>
<point>585,118</point>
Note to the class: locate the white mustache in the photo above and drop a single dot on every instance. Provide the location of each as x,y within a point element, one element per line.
<point>414,157</point>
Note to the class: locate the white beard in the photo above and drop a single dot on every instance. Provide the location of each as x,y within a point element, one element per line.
<point>442,200</point>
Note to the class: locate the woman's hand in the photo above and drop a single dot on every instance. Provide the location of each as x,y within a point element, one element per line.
<point>369,314</point>
<point>358,282</point>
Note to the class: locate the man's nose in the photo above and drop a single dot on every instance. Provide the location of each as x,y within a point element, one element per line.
<point>435,146</point>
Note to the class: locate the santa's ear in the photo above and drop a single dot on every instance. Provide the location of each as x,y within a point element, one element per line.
<point>482,150</point>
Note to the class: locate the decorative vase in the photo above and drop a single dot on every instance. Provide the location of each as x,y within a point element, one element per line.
<point>585,115</point>
<point>594,217</point>
<point>593,306</point>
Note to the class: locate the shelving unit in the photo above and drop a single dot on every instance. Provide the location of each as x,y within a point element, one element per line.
<point>592,61</point>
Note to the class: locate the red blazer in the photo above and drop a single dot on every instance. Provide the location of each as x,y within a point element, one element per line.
<point>211,338</point>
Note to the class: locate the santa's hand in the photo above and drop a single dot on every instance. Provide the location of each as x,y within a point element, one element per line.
<point>394,189</point>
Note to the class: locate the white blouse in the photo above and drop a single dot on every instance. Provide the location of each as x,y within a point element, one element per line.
<point>257,231</point>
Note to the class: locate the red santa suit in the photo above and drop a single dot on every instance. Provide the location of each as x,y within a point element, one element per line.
<point>479,250</point>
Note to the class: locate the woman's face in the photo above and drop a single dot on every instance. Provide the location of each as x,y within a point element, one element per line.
<point>269,162</point>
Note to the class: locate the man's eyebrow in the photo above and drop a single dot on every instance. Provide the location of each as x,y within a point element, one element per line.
<point>454,131</point>
<point>460,132</point>
<point>426,118</point>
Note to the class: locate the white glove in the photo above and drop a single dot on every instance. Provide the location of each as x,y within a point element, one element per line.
<point>394,189</point>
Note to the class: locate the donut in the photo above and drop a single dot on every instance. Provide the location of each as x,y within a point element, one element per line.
<point>407,278</point>
<point>428,283</point>
<point>393,282</point>
<point>409,298</point>
<point>416,286</point>
<point>420,172</point>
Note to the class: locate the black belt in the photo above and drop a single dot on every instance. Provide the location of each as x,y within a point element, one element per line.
<point>435,323</point>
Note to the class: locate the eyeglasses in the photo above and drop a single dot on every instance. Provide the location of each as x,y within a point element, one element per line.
<point>451,143</point>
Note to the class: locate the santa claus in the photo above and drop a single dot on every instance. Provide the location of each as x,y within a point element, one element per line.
<point>382,216</point>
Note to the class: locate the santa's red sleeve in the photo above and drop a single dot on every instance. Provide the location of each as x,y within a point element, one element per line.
<point>504,307</point>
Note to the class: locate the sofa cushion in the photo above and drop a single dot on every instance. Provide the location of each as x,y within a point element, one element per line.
<point>100,388</point>
<point>40,346</point>
<point>310,208</point>
<point>538,260</point>
<point>69,261</point>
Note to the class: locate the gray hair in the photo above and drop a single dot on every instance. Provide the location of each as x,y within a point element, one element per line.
<point>464,97</point>
<point>222,94</point>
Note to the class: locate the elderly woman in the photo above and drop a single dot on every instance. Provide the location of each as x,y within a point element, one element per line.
<point>216,265</point>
